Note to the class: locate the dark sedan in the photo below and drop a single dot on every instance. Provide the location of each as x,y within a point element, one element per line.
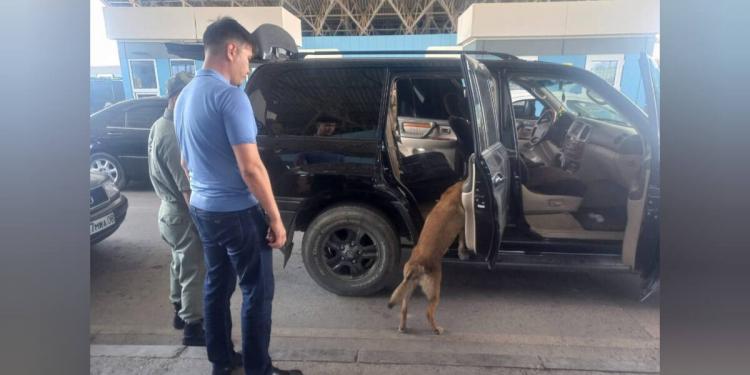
<point>119,139</point>
<point>107,206</point>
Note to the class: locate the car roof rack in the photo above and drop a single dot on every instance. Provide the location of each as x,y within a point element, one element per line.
<point>502,55</point>
<point>195,51</point>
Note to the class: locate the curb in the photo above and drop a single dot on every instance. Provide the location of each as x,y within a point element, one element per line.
<point>380,357</point>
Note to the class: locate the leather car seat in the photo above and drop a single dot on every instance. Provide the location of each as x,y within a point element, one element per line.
<point>543,179</point>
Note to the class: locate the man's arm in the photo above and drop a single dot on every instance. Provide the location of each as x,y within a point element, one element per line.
<point>185,194</point>
<point>172,158</point>
<point>256,177</point>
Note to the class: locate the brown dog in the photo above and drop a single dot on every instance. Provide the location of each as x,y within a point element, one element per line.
<point>424,267</point>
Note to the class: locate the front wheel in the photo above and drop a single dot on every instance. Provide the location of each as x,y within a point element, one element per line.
<point>350,250</point>
<point>109,165</point>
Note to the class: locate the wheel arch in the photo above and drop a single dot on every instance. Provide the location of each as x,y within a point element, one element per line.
<point>397,213</point>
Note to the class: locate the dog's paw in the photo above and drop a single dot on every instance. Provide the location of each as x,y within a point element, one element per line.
<point>401,329</point>
<point>390,305</point>
<point>438,330</point>
<point>463,255</point>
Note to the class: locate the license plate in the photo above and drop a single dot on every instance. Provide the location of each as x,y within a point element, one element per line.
<point>101,224</point>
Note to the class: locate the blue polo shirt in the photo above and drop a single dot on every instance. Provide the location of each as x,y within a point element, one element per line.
<point>210,116</point>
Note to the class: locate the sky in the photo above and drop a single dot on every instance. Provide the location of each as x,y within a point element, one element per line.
<point>103,50</point>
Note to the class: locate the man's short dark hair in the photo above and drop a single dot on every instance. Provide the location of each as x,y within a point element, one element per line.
<point>326,119</point>
<point>223,31</point>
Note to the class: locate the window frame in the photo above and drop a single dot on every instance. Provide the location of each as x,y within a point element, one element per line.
<point>192,62</point>
<point>140,92</point>
<point>619,58</point>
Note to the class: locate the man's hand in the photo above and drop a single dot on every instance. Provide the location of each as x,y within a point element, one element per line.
<point>276,236</point>
<point>256,177</point>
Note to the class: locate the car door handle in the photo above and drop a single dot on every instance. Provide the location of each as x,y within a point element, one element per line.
<point>498,179</point>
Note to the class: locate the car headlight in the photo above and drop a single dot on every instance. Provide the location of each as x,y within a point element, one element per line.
<point>110,189</point>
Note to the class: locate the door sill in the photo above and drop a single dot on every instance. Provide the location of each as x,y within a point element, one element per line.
<point>560,261</point>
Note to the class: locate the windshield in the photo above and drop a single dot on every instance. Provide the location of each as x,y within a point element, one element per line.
<point>656,81</point>
<point>577,99</point>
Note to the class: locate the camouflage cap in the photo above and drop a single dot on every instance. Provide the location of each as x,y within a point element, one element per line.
<point>177,83</point>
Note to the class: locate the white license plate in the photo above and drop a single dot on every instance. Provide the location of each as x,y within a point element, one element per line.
<point>101,224</point>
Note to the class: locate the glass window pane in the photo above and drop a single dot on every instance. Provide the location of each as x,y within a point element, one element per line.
<point>575,98</point>
<point>342,103</point>
<point>605,69</point>
<point>142,117</point>
<point>486,112</point>
<point>144,74</point>
<point>182,66</point>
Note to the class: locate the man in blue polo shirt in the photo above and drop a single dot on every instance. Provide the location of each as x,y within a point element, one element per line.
<point>230,187</point>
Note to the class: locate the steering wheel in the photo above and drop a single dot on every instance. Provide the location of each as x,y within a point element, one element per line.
<point>541,126</point>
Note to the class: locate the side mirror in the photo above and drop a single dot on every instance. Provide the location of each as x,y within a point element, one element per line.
<point>272,43</point>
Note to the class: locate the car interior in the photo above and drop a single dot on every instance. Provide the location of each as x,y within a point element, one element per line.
<point>583,164</point>
<point>583,169</point>
<point>428,135</point>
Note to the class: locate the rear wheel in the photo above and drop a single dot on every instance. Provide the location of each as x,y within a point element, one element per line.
<point>109,165</point>
<point>350,250</point>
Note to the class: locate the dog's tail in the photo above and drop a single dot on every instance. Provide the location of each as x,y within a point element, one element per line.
<point>409,282</point>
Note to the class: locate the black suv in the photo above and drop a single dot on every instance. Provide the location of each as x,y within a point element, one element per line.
<point>119,139</point>
<point>359,148</point>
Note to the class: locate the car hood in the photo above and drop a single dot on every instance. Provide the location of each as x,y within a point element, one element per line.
<point>96,179</point>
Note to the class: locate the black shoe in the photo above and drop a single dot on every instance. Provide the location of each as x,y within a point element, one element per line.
<point>236,360</point>
<point>227,370</point>
<point>193,334</point>
<point>177,322</point>
<point>278,371</point>
<point>218,370</point>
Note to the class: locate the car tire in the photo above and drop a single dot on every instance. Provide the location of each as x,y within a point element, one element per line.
<point>332,263</point>
<point>103,162</point>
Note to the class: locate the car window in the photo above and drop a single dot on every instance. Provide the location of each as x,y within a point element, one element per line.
<point>575,98</point>
<point>425,97</point>
<point>656,81</point>
<point>528,109</point>
<point>524,104</point>
<point>142,117</point>
<point>114,118</point>
<point>343,103</point>
<point>486,112</point>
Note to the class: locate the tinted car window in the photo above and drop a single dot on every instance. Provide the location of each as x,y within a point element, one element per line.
<point>342,103</point>
<point>115,118</point>
<point>423,98</point>
<point>142,117</point>
<point>486,110</point>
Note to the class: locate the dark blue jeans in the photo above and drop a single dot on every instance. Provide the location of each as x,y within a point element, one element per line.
<point>235,247</point>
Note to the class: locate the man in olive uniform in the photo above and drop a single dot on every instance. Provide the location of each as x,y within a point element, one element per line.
<point>187,271</point>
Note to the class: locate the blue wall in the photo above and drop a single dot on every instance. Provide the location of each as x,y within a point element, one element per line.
<point>630,83</point>
<point>125,68</point>
<point>163,72</point>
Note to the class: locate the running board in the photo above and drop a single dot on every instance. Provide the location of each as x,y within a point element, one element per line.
<point>514,259</point>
